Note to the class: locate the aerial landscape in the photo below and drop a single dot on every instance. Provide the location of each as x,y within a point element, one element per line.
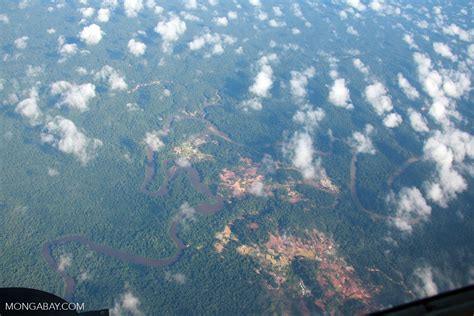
<point>237,157</point>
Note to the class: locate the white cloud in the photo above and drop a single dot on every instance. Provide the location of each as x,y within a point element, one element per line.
<point>4,19</point>
<point>183,162</point>
<point>217,41</point>
<point>253,103</point>
<point>186,213</point>
<point>356,4</point>
<point>262,16</point>
<point>91,35</point>
<point>376,95</point>
<point>257,188</point>
<point>53,172</point>
<point>408,38</point>
<point>351,30</point>
<point>392,120</point>
<point>112,77</point>
<point>255,3</point>
<point>301,152</point>
<point>132,7</point>
<point>276,23</point>
<point>153,141</point>
<point>21,42</point>
<point>151,4</point>
<point>443,87</point>
<point>29,108</point>
<point>220,21</point>
<point>411,208</point>
<point>448,149</point>
<point>127,304</point>
<point>175,277</point>
<point>425,285</point>
<point>65,261</point>
<point>277,11</point>
<point>87,12</point>
<point>417,121</point>
<point>360,66</point>
<point>444,50</point>
<point>455,30</point>
<point>63,134</point>
<point>339,94</point>
<point>361,142</point>
<point>191,4</point>
<point>407,88</point>
<point>66,50</point>
<point>103,15</point>
<point>263,82</point>
<point>470,51</point>
<point>72,95</point>
<point>232,15</point>
<point>112,4</point>
<point>136,48</point>
<point>299,82</point>
<point>170,31</point>
<point>309,117</point>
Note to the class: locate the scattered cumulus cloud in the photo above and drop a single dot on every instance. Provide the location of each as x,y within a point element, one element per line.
<point>136,48</point>
<point>339,94</point>
<point>424,282</point>
<point>179,278</point>
<point>66,50</point>
<point>407,88</point>
<point>73,95</point>
<point>103,15</point>
<point>448,149</point>
<point>220,21</point>
<point>299,82</point>
<point>21,42</point>
<point>309,117</point>
<point>361,142</point>
<point>392,120</point>
<point>301,152</point>
<point>153,141</point>
<point>376,95</point>
<point>356,4</point>
<point>257,188</point>
<point>65,261</point>
<point>87,12</point>
<point>351,30</point>
<point>170,31</point>
<point>410,207</point>
<point>64,135</point>
<point>127,304</point>
<point>4,19</point>
<point>132,7</point>
<point>232,15</point>
<point>359,65</point>
<point>112,77</point>
<point>263,82</point>
<point>28,108</point>
<point>255,3</point>
<point>91,35</point>
<point>191,4</point>
<point>444,51</point>
<point>455,30</point>
<point>417,121</point>
<point>215,40</point>
<point>408,38</point>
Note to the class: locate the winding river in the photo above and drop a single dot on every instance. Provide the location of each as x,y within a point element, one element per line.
<point>214,204</point>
